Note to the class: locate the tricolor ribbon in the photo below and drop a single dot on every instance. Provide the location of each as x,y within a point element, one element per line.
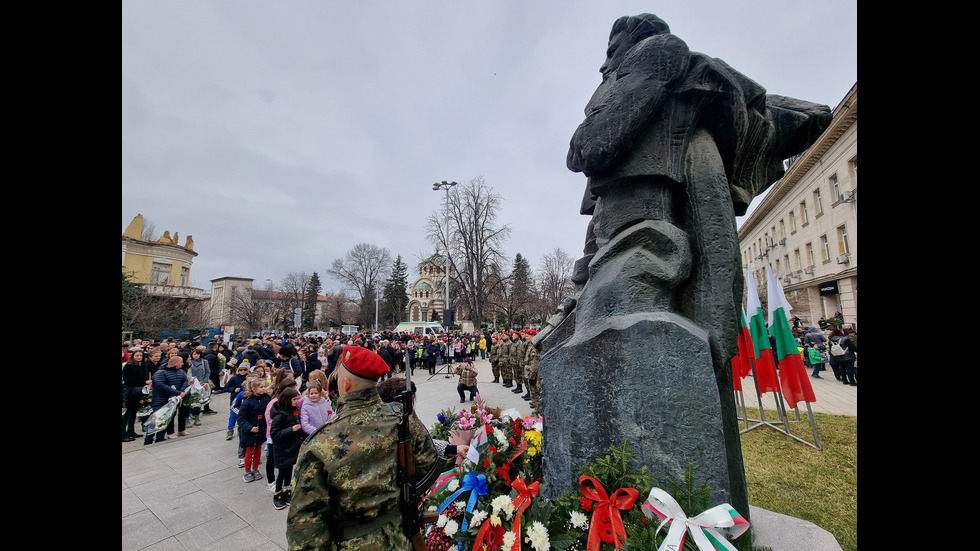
<point>473,483</point>
<point>521,503</point>
<point>703,528</point>
<point>607,524</point>
<point>441,482</point>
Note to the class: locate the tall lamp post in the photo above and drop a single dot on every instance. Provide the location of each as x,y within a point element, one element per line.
<point>444,185</point>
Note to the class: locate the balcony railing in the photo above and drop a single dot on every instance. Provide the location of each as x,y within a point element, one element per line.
<point>174,291</point>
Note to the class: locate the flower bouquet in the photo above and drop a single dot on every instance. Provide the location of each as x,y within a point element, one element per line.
<point>198,394</point>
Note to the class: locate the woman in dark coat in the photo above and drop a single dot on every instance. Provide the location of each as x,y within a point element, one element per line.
<point>287,435</point>
<point>134,378</point>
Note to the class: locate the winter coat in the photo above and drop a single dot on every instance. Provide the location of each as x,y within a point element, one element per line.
<point>850,348</point>
<point>252,356</point>
<point>236,381</point>
<point>252,414</point>
<point>285,440</point>
<point>268,414</point>
<point>314,414</point>
<point>166,383</point>
<point>814,335</point>
<point>201,370</point>
<point>296,365</point>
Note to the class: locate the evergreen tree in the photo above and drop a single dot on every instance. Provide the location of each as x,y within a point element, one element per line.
<point>309,303</point>
<point>395,295</point>
<point>520,295</point>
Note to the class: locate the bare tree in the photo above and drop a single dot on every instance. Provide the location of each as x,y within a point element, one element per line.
<point>555,279</point>
<point>292,292</point>
<point>340,309</point>
<point>250,310</point>
<point>474,242</point>
<point>149,232</point>
<point>362,269</point>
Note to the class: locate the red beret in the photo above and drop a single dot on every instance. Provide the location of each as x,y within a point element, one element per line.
<point>363,362</point>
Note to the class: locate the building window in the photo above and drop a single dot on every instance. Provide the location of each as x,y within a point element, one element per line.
<point>786,263</point>
<point>854,173</point>
<point>184,272</point>
<point>799,263</point>
<point>778,271</point>
<point>160,273</point>
<point>804,217</point>
<point>782,230</point>
<point>817,202</point>
<point>842,245</point>
<point>824,248</point>
<point>835,189</point>
<point>809,255</point>
<point>792,222</point>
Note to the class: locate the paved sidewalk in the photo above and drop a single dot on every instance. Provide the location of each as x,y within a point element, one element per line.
<point>187,493</point>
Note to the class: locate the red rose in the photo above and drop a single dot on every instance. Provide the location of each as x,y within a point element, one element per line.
<point>586,503</point>
<point>486,462</point>
<point>511,440</point>
<point>295,413</point>
<point>493,449</point>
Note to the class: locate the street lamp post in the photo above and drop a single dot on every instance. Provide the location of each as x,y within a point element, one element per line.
<point>444,185</point>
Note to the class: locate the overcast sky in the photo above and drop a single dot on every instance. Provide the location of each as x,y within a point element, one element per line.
<point>281,134</point>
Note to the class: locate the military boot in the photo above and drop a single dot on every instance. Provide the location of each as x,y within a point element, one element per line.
<point>518,389</point>
<point>508,383</point>
<point>527,395</point>
<point>495,380</point>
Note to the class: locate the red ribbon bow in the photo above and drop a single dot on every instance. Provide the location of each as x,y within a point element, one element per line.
<point>607,524</point>
<point>504,471</point>
<point>521,503</point>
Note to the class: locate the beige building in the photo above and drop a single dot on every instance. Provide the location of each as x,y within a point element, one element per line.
<point>806,227</point>
<point>268,305</point>
<point>163,266</point>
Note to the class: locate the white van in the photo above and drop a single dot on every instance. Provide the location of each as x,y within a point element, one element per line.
<point>423,328</point>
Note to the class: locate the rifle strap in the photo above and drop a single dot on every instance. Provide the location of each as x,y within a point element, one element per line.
<point>344,533</point>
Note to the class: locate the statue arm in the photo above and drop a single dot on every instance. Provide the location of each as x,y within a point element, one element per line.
<point>626,101</point>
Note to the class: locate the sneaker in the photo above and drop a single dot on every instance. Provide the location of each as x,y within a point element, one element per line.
<point>288,494</point>
<point>247,477</point>
<point>279,501</point>
<point>272,487</point>
<point>209,412</point>
<point>182,433</point>
<point>230,434</point>
<point>241,463</point>
<point>197,421</point>
<point>256,475</point>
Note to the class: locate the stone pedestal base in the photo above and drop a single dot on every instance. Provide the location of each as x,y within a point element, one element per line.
<point>645,377</point>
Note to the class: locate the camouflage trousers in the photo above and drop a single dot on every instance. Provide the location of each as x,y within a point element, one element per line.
<point>535,387</point>
<point>495,367</point>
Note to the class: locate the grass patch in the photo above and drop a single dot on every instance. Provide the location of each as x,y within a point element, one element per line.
<point>789,477</point>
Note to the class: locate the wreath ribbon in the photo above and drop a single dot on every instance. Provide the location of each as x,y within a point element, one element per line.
<point>521,503</point>
<point>473,483</point>
<point>704,528</point>
<point>605,514</point>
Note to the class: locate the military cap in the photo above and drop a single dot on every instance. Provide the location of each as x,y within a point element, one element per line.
<point>363,362</point>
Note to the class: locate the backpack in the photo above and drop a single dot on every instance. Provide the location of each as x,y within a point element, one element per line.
<point>836,349</point>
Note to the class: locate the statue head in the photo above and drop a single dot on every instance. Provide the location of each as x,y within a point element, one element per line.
<point>626,32</point>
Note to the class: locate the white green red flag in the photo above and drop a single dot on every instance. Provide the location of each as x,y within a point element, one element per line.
<point>792,374</point>
<point>742,361</point>
<point>765,367</point>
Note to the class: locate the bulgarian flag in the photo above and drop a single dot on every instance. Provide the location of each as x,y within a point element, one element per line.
<point>741,363</point>
<point>765,367</point>
<point>792,373</point>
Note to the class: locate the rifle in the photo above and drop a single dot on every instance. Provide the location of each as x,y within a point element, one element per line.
<point>409,493</point>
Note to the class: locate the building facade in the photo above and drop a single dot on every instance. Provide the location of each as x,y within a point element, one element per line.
<point>162,267</point>
<point>268,308</point>
<point>805,229</point>
<point>427,294</point>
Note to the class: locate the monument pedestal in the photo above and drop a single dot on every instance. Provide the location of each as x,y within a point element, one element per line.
<point>646,377</point>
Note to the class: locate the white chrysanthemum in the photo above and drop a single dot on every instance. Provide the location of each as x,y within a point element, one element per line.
<point>537,426</point>
<point>460,505</point>
<point>537,535</point>
<point>579,520</point>
<point>478,518</point>
<point>443,519</point>
<point>453,485</point>
<point>431,508</point>
<point>451,528</point>
<point>509,539</point>
<point>500,503</point>
<point>501,439</point>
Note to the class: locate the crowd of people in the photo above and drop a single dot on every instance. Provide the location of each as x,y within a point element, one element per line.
<point>281,389</point>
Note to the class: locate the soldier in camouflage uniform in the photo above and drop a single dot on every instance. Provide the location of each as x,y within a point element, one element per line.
<point>346,495</point>
<point>517,350</point>
<point>495,357</point>
<point>531,373</point>
<point>504,358</point>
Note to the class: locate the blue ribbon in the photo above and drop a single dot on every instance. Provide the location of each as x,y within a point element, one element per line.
<point>473,483</point>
